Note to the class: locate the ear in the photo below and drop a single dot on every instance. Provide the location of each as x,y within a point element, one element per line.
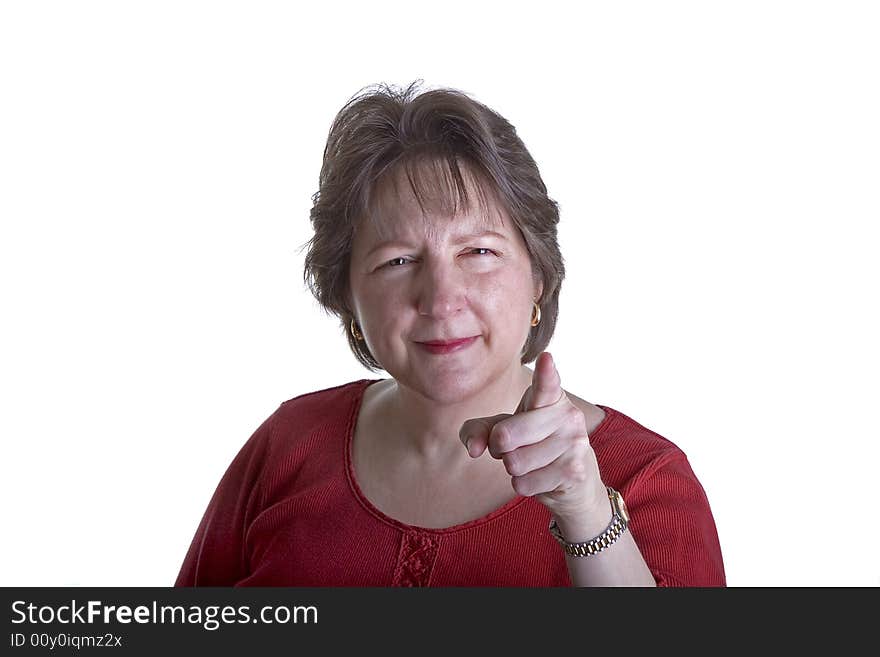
<point>539,289</point>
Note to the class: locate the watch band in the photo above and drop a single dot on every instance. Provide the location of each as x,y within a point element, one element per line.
<point>618,525</point>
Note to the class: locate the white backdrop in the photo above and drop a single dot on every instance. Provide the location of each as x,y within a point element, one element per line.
<point>717,169</point>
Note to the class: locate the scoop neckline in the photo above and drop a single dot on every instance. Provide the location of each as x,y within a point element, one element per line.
<point>516,501</point>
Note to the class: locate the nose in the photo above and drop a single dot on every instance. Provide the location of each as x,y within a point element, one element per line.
<point>442,289</point>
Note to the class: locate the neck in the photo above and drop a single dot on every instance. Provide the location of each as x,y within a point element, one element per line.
<point>427,431</point>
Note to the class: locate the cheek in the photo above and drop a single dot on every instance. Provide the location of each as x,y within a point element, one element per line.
<point>382,310</point>
<point>508,292</point>
<point>503,305</point>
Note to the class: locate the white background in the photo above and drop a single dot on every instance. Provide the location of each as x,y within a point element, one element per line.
<point>717,169</point>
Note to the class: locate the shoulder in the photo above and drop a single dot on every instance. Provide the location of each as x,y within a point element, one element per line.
<point>626,449</point>
<point>325,411</point>
<point>297,418</point>
<point>307,429</point>
<point>325,403</point>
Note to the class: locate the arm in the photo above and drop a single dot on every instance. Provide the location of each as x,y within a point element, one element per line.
<point>545,448</point>
<point>216,556</point>
<point>670,521</point>
<point>619,564</point>
<point>673,524</point>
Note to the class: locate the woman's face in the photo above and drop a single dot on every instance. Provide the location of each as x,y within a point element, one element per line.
<point>441,278</point>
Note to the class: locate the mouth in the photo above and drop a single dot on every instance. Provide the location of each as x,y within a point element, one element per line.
<point>447,346</point>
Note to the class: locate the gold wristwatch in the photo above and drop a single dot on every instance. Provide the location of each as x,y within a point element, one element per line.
<point>618,525</point>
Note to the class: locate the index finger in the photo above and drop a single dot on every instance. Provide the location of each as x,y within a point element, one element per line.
<point>546,387</point>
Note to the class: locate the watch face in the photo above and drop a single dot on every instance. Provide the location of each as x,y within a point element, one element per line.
<point>621,506</point>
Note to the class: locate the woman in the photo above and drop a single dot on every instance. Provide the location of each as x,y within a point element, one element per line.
<point>435,244</point>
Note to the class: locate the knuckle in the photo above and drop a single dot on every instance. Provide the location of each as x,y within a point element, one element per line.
<point>576,470</point>
<point>521,486</point>
<point>501,439</point>
<point>575,417</point>
<point>513,463</point>
<point>577,445</point>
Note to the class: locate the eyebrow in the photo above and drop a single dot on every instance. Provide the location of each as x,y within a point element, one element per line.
<point>459,239</point>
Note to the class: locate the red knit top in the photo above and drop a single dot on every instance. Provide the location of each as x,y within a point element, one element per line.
<point>288,512</point>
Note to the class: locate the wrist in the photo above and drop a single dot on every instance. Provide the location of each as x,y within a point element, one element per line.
<point>569,538</point>
<point>589,521</point>
<point>587,525</point>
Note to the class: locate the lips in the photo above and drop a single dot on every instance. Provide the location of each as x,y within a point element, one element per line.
<point>447,346</point>
<point>444,343</point>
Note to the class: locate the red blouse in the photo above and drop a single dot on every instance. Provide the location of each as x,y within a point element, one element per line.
<point>288,512</point>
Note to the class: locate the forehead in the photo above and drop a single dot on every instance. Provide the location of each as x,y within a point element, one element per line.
<point>432,197</point>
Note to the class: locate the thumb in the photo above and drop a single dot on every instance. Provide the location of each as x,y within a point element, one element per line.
<point>474,433</point>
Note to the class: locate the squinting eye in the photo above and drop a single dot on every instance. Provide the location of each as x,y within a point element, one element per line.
<point>397,262</point>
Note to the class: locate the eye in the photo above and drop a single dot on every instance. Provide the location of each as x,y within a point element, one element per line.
<point>400,261</point>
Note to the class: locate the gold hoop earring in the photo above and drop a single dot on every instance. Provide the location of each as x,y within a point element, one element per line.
<point>536,314</point>
<point>354,330</point>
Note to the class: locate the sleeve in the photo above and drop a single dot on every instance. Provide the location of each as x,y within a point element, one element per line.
<point>217,555</point>
<point>673,526</point>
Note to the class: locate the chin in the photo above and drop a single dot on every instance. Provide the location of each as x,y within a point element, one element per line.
<point>447,387</point>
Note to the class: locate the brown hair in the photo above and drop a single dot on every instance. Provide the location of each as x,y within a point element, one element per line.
<point>437,138</point>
